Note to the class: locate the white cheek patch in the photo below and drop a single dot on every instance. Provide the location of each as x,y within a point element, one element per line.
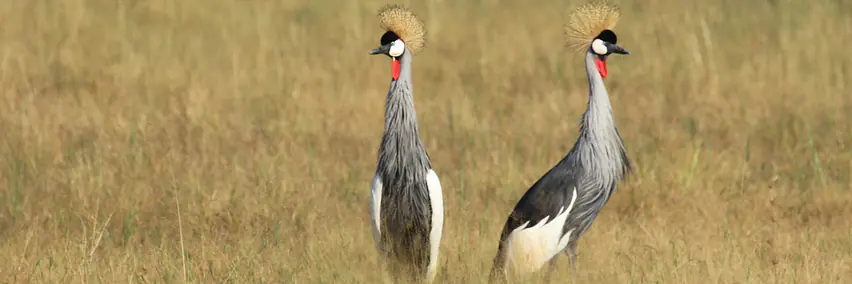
<point>599,47</point>
<point>397,48</point>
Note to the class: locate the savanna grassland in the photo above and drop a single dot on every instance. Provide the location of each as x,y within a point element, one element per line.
<point>244,134</point>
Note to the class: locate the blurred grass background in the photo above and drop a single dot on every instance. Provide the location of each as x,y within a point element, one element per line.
<point>262,119</point>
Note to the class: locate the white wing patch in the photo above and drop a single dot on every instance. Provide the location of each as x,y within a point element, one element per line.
<point>529,248</point>
<point>437,200</point>
<point>375,209</point>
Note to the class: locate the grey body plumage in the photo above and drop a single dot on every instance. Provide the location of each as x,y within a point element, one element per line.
<point>402,166</point>
<point>593,167</point>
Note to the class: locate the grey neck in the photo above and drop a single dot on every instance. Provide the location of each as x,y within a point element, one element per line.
<point>402,157</point>
<point>599,149</point>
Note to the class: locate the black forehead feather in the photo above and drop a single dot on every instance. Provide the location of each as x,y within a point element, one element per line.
<point>608,36</point>
<point>389,37</point>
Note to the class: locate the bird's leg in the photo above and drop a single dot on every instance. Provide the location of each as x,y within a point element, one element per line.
<point>572,258</point>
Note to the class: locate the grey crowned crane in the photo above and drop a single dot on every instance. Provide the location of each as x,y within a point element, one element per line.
<point>406,204</point>
<point>554,213</point>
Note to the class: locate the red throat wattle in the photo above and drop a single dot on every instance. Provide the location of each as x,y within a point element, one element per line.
<point>395,69</point>
<point>601,64</point>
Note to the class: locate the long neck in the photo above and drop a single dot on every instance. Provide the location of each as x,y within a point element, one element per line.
<point>401,154</point>
<point>599,149</point>
<point>598,119</point>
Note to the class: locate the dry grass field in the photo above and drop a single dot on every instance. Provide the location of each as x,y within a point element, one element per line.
<point>235,141</point>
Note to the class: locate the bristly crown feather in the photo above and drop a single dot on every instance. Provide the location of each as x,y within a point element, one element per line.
<point>405,24</point>
<point>587,21</point>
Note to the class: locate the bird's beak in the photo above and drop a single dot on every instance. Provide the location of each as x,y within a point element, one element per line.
<point>384,49</point>
<point>617,49</point>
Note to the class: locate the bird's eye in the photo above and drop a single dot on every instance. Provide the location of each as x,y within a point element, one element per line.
<point>599,47</point>
<point>397,48</point>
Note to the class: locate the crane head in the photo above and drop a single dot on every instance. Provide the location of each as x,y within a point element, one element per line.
<point>391,45</point>
<point>603,45</point>
<point>404,32</point>
<point>589,29</point>
<point>400,25</point>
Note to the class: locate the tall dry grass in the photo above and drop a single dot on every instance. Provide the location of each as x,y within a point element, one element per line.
<point>262,120</point>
